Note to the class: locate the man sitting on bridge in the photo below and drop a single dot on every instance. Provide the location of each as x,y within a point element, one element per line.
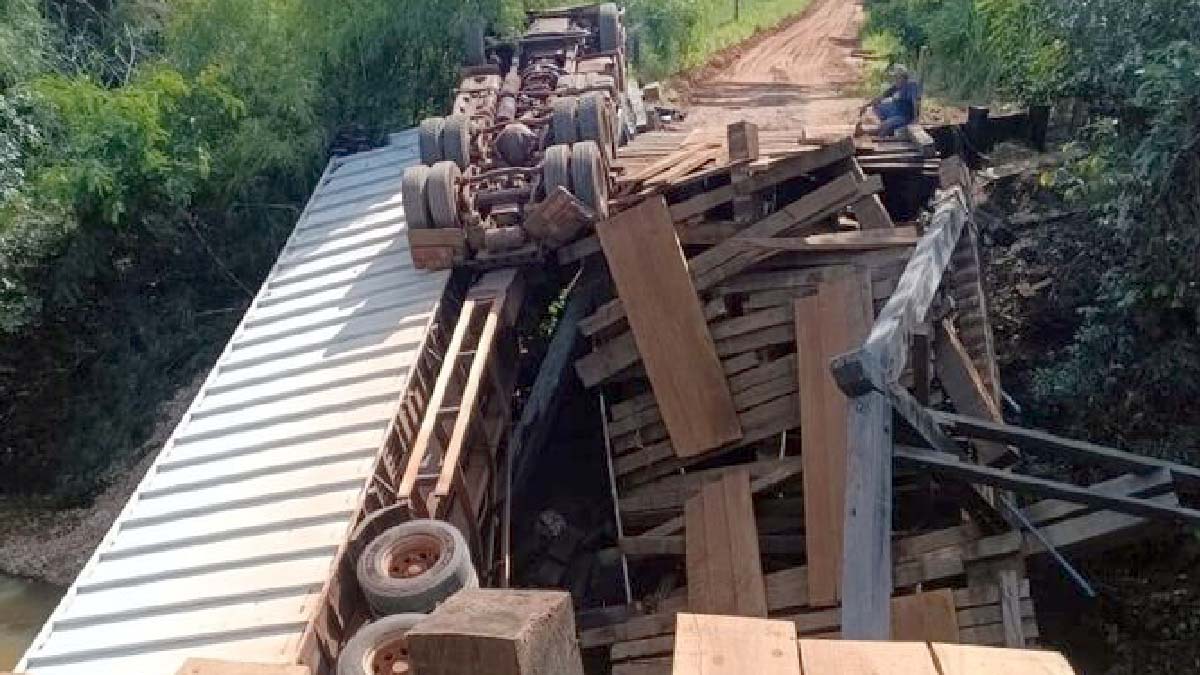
<point>898,106</point>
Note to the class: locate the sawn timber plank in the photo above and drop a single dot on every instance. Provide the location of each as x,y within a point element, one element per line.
<point>834,320</point>
<point>669,329</point>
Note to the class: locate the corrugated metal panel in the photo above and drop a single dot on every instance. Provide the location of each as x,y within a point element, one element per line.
<point>225,544</point>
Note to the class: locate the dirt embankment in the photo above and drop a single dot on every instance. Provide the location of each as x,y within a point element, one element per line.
<point>52,545</point>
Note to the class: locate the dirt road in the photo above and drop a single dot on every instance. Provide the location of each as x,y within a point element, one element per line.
<point>802,75</point>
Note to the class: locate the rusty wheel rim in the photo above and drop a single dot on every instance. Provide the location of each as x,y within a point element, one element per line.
<point>389,658</point>
<point>413,556</point>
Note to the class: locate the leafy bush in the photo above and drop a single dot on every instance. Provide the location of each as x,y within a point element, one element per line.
<point>1130,372</point>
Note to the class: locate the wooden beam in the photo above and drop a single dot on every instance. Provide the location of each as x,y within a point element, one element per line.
<point>966,388</point>
<point>883,356</point>
<point>1063,448</point>
<point>669,328</point>
<point>828,323</point>
<point>953,466</point>
<point>867,566</point>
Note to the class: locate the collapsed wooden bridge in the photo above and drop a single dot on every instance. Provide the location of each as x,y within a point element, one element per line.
<point>777,343</point>
<point>802,422</point>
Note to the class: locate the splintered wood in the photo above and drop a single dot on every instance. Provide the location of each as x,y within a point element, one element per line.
<point>723,568</point>
<point>767,268</point>
<point>668,326</point>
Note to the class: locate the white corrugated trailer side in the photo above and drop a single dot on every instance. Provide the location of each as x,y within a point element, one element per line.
<point>227,541</point>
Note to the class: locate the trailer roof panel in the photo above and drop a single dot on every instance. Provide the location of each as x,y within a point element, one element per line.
<point>226,542</point>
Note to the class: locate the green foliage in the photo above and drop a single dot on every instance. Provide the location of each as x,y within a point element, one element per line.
<point>685,33</point>
<point>1131,370</point>
<point>973,49</point>
<point>24,41</point>
<point>152,159</point>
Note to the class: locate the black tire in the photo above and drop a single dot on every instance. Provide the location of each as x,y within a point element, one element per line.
<point>589,176</point>
<point>441,194</point>
<point>429,140</point>
<point>413,195</point>
<point>593,118</point>
<point>609,27</point>
<point>377,645</point>
<point>456,140</point>
<point>414,566</point>
<point>556,168</point>
<point>562,119</point>
<point>473,50</point>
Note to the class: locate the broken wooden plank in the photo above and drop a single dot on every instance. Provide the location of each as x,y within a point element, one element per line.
<point>728,258</point>
<point>882,357</point>
<point>869,210</point>
<point>669,329</point>
<point>951,465</point>
<point>1035,440</point>
<point>732,645</point>
<point>798,165</point>
<point>724,570</point>
<point>828,323</point>
<point>966,389</point>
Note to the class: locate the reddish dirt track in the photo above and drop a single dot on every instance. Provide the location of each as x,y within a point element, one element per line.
<point>803,75</point>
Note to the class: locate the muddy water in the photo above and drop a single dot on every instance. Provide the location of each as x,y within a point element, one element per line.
<point>24,606</point>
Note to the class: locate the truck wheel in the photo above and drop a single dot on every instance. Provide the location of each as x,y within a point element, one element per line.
<point>562,119</point>
<point>473,51</point>
<point>414,566</point>
<point>589,176</point>
<point>441,193</point>
<point>556,168</point>
<point>456,140</point>
<point>429,140</point>
<point>609,27</point>
<point>595,121</point>
<point>379,647</point>
<point>412,194</point>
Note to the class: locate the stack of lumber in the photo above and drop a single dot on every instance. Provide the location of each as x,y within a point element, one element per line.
<point>669,159</point>
<point>702,351</point>
<point>739,276</point>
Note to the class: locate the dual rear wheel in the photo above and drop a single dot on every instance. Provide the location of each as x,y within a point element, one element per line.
<point>580,168</point>
<point>430,195</point>
<point>445,139</point>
